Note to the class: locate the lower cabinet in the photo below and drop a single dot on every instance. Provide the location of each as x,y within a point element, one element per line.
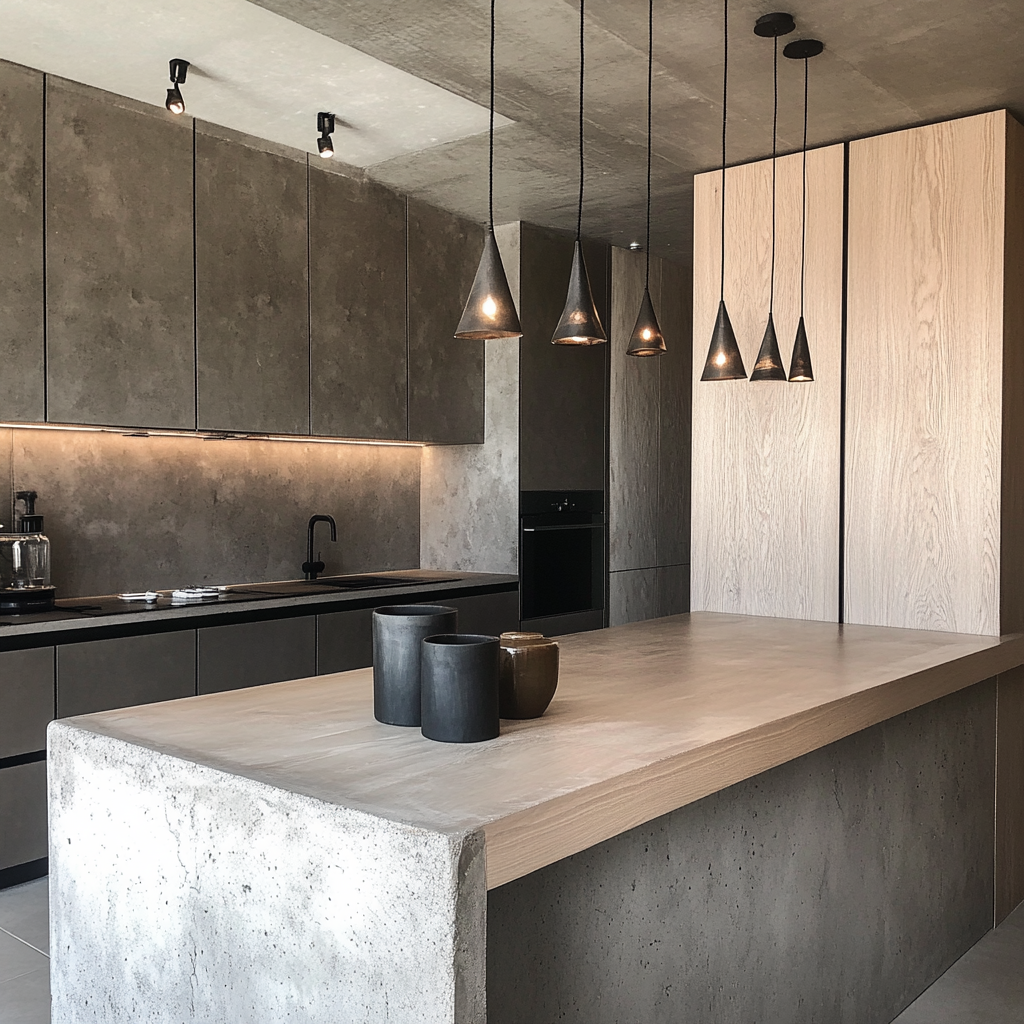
<point>345,639</point>
<point>253,653</point>
<point>22,814</point>
<point>99,675</point>
<point>26,700</point>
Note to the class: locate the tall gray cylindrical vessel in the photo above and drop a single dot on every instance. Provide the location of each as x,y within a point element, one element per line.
<point>397,633</point>
<point>460,688</point>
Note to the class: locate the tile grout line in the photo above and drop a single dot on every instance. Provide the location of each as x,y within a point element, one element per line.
<point>24,942</point>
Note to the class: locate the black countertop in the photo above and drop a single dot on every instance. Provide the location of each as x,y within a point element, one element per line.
<point>88,618</point>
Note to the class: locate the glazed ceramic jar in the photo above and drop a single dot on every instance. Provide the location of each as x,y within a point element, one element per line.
<point>528,674</point>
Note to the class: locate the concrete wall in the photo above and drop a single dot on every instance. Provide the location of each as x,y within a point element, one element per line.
<point>833,888</point>
<point>130,513</point>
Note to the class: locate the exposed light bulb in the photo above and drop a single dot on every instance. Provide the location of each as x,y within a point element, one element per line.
<point>720,359</point>
<point>647,334</point>
<point>490,307</point>
<point>175,104</point>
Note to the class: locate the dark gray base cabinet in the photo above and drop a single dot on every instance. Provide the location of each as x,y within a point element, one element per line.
<point>26,700</point>
<point>22,814</point>
<point>99,675</point>
<point>254,653</point>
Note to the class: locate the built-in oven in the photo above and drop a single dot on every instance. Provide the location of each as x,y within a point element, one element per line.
<point>562,545</point>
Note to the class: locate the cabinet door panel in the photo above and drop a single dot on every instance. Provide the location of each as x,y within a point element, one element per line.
<point>26,700</point>
<point>492,614</point>
<point>252,302</point>
<point>119,272</point>
<point>98,675</point>
<point>22,814</point>
<point>21,245</point>
<point>446,376</point>
<point>358,355</point>
<point>344,640</point>
<point>253,653</point>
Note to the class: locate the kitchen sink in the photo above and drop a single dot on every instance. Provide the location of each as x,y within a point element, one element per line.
<point>367,582</point>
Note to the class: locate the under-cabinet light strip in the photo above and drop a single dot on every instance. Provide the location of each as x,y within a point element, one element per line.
<point>211,435</point>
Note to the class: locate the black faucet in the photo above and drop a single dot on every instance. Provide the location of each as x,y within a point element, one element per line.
<point>309,567</point>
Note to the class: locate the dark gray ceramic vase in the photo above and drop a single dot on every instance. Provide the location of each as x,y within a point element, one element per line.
<point>459,694</point>
<point>397,633</point>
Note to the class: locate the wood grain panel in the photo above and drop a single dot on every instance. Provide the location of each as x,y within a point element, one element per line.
<point>1009,793</point>
<point>925,377</point>
<point>633,423</point>
<point>765,479</point>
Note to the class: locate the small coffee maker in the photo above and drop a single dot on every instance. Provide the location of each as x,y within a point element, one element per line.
<point>25,563</point>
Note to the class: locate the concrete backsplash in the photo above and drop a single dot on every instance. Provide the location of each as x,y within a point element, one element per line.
<point>131,513</point>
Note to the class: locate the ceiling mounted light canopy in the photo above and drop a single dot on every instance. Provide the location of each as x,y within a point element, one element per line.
<point>175,103</point>
<point>769,364</point>
<point>800,369</point>
<point>647,339</point>
<point>325,126</point>
<point>724,361</point>
<point>490,311</point>
<point>580,323</point>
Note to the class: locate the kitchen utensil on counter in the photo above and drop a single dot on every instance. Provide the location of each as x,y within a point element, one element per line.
<point>397,633</point>
<point>460,688</point>
<point>527,674</point>
<point>148,597</point>
<point>25,563</point>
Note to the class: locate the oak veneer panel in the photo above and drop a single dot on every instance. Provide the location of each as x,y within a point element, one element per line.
<point>925,380</point>
<point>22,382</point>
<point>648,718</point>
<point>765,475</point>
<point>1009,793</point>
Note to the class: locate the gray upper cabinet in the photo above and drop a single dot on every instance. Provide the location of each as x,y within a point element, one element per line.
<point>357,299</point>
<point>252,303</point>
<point>119,295</point>
<point>446,376</point>
<point>22,381</point>
<point>563,388</point>
<point>26,700</point>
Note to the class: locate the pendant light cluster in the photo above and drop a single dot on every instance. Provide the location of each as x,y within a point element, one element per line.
<point>724,361</point>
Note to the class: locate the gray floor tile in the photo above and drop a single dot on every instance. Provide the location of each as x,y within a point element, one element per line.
<point>16,958</point>
<point>24,911</point>
<point>985,986</point>
<point>26,1000</point>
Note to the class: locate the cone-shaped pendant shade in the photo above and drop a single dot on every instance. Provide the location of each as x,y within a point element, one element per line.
<point>724,361</point>
<point>769,359</point>
<point>646,339</point>
<point>580,324</point>
<point>800,364</point>
<point>490,311</point>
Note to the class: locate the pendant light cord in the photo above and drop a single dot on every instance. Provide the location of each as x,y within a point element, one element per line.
<point>775,133</point>
<point>579,211</point>
<point>650,77</point>
<point>490,164</point>
<point>725,109</point>
<point>803,202</point>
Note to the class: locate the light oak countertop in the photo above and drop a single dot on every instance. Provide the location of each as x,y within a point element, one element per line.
<point>647,718</point>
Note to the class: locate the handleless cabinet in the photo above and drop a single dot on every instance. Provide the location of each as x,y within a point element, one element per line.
<point>254,653</point>
<point>26,700</point>
<point>252,302</point>
<point>446,376</point>
<point>22,386</point>
<point>99,675</point>
<point>357,285</point>
<point>119,285</point>
<point>23,814</point>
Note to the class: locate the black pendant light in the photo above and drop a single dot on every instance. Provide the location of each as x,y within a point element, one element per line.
<point>490,311</point>
<point>647,339</point>
<point>580,323</point>
<point>800,365</point>
<point>724,361</point>
<point>769,360</point>
<point>178,71</point>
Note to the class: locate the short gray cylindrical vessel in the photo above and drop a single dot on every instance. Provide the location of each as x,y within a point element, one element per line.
<point>460,688</point>
<point>397,633</point>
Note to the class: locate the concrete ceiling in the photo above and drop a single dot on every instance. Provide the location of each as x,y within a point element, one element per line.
<point>887,64</point>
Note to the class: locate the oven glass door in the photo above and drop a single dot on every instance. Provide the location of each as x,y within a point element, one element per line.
<point>562,564</point>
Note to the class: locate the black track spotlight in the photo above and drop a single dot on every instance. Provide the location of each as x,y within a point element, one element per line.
<point>325,126</point>
<point>174,102</point>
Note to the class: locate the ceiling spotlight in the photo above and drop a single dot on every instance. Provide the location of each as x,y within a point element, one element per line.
<point>174,102</point>
<point>325,126</point>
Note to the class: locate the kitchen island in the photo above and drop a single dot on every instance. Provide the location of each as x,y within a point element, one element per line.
<point>275,854</point>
